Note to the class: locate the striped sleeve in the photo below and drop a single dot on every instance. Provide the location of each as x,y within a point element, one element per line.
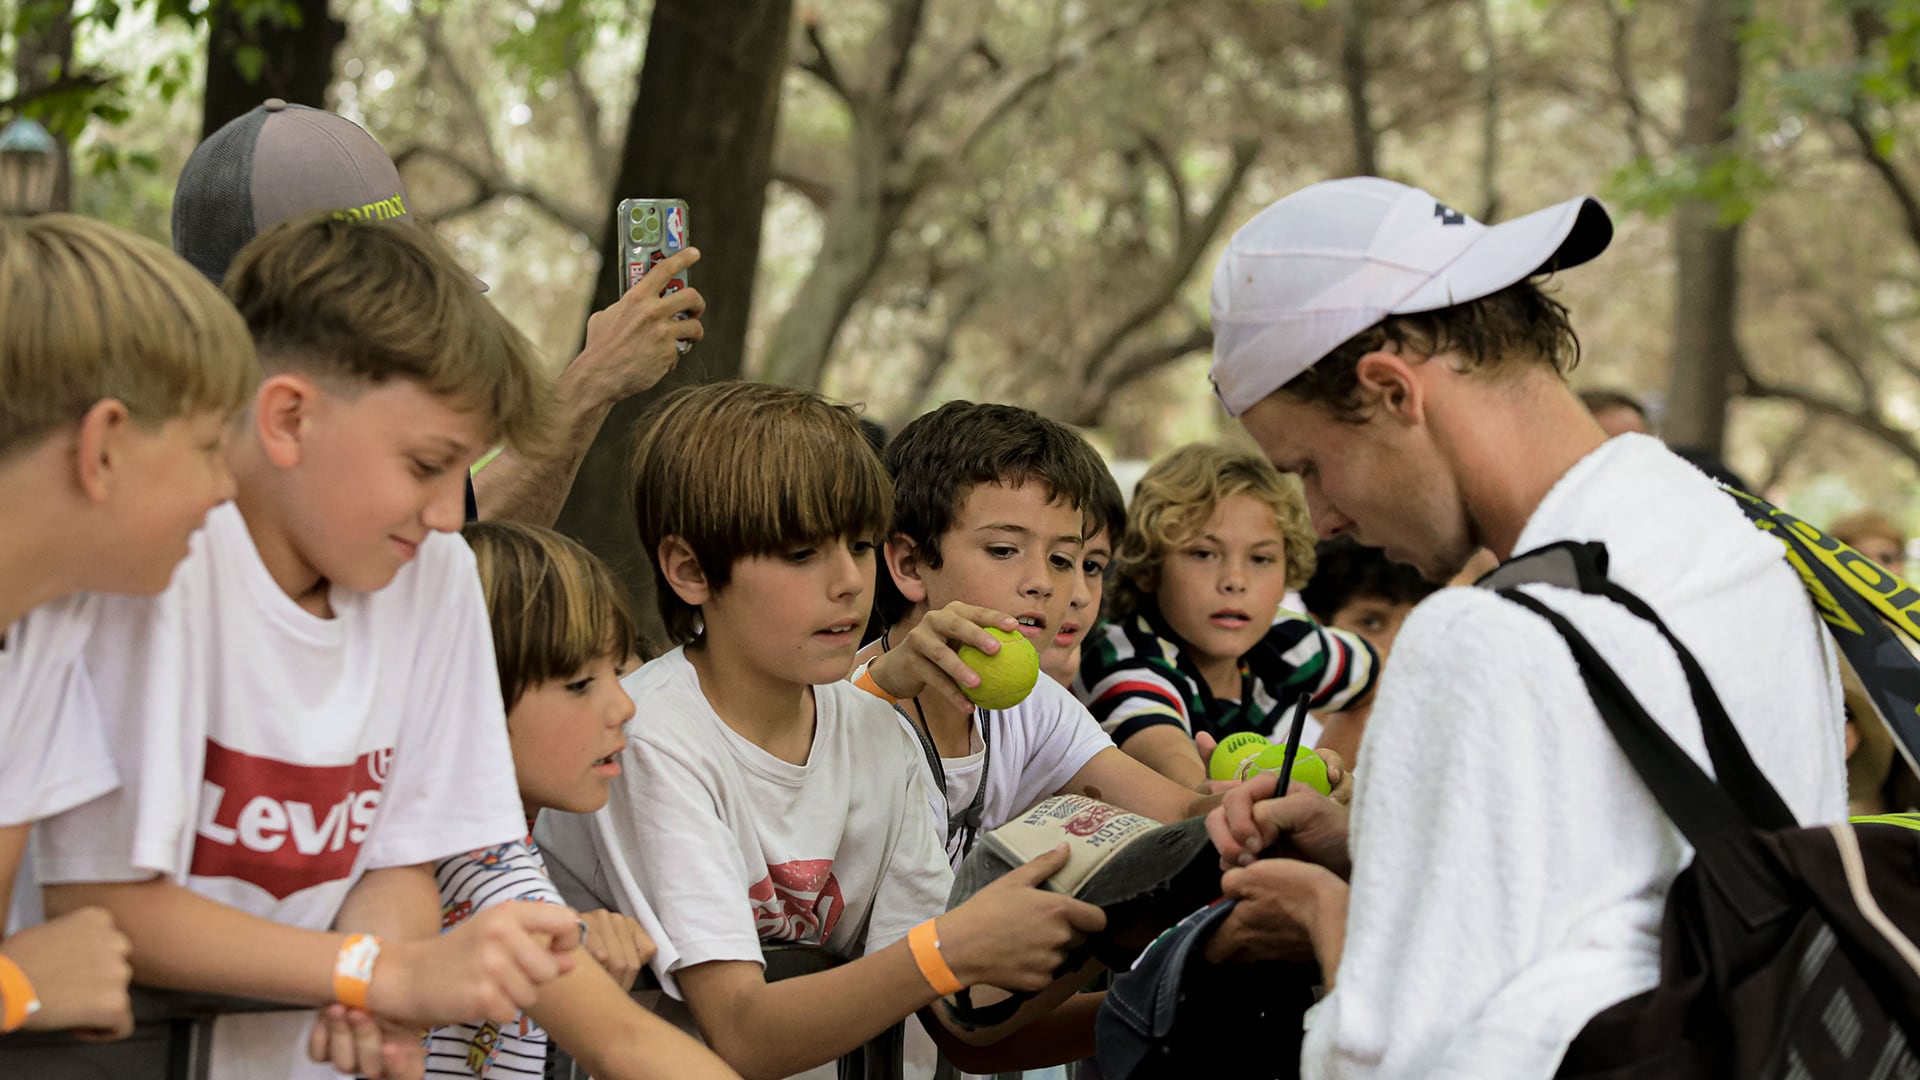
<point>1339,666</point>
<point>1126,688</point>
<point>470,884</point>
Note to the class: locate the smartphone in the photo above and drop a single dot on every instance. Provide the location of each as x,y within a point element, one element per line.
<point>649,231</point>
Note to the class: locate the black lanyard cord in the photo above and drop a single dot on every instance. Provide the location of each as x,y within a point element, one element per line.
<point>965,824</point>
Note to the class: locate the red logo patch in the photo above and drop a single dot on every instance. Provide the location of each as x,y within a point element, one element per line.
<point>797,901</point>
<point>1089,821</point>
<point>281,826</point>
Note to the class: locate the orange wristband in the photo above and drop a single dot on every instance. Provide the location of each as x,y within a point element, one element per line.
<point>924,942</point>
<point>865,682</point>
<point>18,1002</point>
<point>353,970</point>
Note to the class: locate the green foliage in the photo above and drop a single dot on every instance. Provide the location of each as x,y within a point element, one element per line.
<point>1733,180</point>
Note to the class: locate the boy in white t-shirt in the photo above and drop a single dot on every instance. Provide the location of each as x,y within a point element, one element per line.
<point>119,367</point>
<point>987,530</point>
<point>765,800</point>
<point>308,717</point>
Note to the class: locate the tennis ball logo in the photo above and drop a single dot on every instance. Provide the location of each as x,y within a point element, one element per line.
<point>1308,769</point>
<point>1006,677</point>
<point>1231,751</point>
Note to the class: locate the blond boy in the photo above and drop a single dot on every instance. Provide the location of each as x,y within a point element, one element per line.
<point>308,717</point>
<point>119,367</point>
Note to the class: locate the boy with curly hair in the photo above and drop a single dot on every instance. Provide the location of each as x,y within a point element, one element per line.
<point>1199,644</point>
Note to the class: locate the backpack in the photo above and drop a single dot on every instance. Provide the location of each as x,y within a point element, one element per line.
<point>1786,952</point>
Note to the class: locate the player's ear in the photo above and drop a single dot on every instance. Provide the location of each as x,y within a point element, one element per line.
<point>681,567</point>
<point>904,563</point>
<point>1387,385</point>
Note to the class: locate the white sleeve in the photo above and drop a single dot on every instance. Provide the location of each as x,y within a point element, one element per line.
<point>1061,738</point>
<point>918,877</point>
<point>145,665</point>
<point>452,788</point>
<point>57,754</point>
<point>681,861</point>
<point>1456,962</point>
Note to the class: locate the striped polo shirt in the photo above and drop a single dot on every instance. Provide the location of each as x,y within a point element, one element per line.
<point>1135,673</point>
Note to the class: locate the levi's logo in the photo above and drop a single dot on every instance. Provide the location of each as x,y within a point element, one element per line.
<point>282,826</point>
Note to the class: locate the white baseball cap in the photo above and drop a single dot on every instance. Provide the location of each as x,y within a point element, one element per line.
<point>1328,261</point>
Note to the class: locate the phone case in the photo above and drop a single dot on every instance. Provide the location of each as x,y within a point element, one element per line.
<point>649,231</point>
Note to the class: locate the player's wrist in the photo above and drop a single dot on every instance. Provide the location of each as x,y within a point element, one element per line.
<point>888,676</point>
<point>389,989</point>
<point>18,1000</point>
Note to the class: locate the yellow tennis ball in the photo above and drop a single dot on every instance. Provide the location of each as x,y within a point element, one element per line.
<point>1308,769</point>
<point>1006,677</point>
<point>1229,752</point>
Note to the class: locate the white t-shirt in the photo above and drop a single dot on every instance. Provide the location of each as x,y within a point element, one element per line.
<point>1510,868</point>
<point>48,767</point>
<point>55,755</point>
<point>1038,745</point>
<point>470,884</point>
<point>270,757</point>
<point>731,847</point>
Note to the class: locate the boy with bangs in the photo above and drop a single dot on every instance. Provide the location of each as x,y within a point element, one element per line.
<point>562,633</point>
<point>308,717</point>
<point>119,367</point>
<point>1199,647</point>
<point>1060,660</point>
<point>764,799</point>
<point>988,530</point>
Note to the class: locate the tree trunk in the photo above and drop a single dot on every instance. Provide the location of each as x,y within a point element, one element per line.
<point>701,129</point>
<point>859,224</point>
<point>1356,73</point>
<point>44,53</point>
<point>287,61</point>
<point>1706,351</point>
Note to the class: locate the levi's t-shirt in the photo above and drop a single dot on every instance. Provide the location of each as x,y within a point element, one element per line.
<point>269,757</point>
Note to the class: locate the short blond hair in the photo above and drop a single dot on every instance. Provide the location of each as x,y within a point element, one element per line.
<point>1178,496</point>
<point>90,312</point>
<point>367,302</point>
<point>553,605</point>
<point>739,469</point>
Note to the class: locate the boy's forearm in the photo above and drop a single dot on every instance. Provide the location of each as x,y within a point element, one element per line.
<point>613,1037</point>
<point>1060,1034</point>
<point>398,903</point>
<point>184,941</point>
<point>13,846</point>
<point>515,487</point>
<point>1168,750</point>
<point>777,1029</point>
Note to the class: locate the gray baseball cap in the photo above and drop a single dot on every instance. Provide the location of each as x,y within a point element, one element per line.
<point>276,162</point>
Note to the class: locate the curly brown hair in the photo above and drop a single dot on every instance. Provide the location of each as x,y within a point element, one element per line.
<point>1516,326</point>
<point>1178,496</point>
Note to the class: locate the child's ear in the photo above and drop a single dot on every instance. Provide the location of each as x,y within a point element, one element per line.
<point>280,412</point>
<point>681,567</point>
<point>97,447</point>
<point>903,562</point>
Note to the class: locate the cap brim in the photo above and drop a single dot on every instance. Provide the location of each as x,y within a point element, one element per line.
<point>1563,235</point>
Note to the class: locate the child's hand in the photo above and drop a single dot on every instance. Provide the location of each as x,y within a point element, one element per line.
<point>619,944</point>
<point>1013,934</point>
<point>487,968</point>
<point>355,1043</point>
<point>927,663</point>
<point>1338,775</point>
<point>78,966</point>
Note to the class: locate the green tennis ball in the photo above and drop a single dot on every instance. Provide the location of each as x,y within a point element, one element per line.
<point>1308,769</point>
<point>1231,751</point>
<point>1006,677</point>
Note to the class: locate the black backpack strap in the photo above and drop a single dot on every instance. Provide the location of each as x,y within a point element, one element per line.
<point>1582,566</point>
<point>1704,813</point>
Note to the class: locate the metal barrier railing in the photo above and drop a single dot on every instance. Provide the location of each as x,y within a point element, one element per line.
<point>172,1040</point>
